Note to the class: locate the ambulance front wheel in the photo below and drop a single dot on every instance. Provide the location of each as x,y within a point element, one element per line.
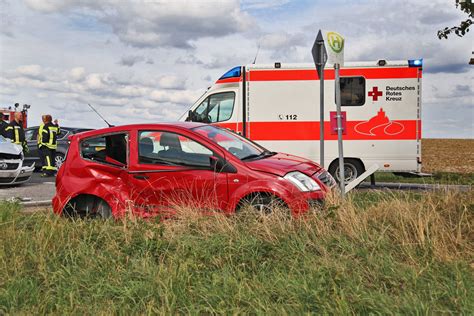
<point>352,169</point>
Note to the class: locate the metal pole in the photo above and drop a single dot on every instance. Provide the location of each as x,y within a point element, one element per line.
<point>321,108</point>
<point>339,131</point>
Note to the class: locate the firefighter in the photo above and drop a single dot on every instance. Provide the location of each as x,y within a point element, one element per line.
<point>3,126</point>
<point>47,144</point>
<point>15,131</point>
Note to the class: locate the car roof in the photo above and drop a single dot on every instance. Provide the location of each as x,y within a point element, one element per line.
<point>121,128</point>
<point>66,127</point>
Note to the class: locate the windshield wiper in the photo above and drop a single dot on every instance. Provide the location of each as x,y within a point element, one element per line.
<point>263,154</point>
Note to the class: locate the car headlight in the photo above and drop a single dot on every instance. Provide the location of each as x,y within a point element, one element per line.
<point>302,181</point>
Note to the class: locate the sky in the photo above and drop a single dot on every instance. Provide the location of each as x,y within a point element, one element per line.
<point>150,60</point>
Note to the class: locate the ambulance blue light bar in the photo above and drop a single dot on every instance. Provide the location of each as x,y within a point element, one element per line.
<point>233,73</point>
<point>415,62</point>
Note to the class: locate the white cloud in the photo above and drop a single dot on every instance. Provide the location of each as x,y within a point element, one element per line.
<point>176,23</point>
<point>263,4</point>
<point>72,89</point>
<point>131,60</point>
<point>77,73</point>
<point>30,71</point>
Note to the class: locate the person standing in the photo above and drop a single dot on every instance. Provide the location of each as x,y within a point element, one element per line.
<point>3,126</point>
<point>15,131</point>
<point>47,144</point>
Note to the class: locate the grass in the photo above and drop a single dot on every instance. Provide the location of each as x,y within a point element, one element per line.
<point>442,178</point>
<point>395,253</point>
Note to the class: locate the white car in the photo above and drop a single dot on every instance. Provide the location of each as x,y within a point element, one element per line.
<point>12,168</point>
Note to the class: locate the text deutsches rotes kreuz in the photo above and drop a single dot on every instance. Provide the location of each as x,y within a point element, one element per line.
<point>395,93</point>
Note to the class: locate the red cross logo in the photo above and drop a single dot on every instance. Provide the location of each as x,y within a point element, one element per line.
<point>375,93</point>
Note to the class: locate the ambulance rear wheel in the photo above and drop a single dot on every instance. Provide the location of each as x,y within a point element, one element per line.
<point>352,169</point>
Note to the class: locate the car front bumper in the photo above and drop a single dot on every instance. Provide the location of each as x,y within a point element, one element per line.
<point>14,172</point>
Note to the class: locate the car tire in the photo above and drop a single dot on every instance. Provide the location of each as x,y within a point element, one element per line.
<point>263,204</point>
<point>353,168</point>
<point>87,206</point>
<point>100,209</point>
<point>59,160</point>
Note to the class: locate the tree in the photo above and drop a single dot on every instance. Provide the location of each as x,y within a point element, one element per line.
<point>467,7</point>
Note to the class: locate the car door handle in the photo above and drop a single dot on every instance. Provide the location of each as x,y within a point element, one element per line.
<point>141,177</point>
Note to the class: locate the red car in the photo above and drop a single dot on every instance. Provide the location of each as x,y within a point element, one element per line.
<point>151,169</point>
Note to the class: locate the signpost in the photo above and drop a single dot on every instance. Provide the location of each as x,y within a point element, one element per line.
<point>320,57</point>
<point>334,55</point>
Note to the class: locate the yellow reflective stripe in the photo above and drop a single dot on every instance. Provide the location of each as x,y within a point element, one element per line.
<point>49,166</point>
<point>52,131</point>
<point>40,132</point>
<point>17,136</point>
<point>51,137</point>
<point>8,128</point>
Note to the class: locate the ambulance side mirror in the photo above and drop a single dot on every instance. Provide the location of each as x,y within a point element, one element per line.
<point>190,116</point>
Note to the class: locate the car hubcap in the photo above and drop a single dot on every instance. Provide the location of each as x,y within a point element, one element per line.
<point>59,161</point>
<point>263,208</point>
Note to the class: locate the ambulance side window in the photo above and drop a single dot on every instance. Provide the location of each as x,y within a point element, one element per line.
<point>221,106</point>
<point>352,91</point>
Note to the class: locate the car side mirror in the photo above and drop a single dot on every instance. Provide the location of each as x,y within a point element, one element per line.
<point>219,165</point>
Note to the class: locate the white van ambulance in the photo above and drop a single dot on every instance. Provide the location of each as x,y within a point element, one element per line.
<point>277,105</point>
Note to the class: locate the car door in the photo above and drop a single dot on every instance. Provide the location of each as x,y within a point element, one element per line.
<point>171,170</point>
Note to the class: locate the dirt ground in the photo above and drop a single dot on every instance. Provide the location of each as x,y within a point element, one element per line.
<point>448,155</point>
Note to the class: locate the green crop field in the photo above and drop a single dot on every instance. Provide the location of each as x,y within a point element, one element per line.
<point>380,253</point>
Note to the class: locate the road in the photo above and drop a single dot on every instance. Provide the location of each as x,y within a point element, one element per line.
<point>40,191</point>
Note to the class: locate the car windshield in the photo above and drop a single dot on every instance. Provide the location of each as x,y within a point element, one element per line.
<point>237,145</point>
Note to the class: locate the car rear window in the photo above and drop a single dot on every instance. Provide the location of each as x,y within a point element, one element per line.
<point>108,149</point>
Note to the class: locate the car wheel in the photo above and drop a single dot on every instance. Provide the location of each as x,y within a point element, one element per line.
<point>352,169</point>
<point>263,204</point>
<point>100,209</point>
<point>59,160</point>
<point>87,206</point>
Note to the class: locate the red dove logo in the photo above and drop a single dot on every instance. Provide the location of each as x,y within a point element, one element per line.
<point>379,125</point>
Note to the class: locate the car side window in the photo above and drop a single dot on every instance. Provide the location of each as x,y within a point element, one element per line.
<point>62,133</point>
<point>166,148</point>
<point>108,149</point>
<point>352,91</point>
<point>30,134</point>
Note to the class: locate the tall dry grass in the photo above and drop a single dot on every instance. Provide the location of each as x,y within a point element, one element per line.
<point>372,253</point>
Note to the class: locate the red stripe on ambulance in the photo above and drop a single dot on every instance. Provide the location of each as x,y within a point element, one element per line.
<point>367,73</point>
<point>283,131</point>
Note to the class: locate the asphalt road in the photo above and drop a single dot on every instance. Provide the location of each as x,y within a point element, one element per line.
<point>41,190</point>
<point>36,190</point>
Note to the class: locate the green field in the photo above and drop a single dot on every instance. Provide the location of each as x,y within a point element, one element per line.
<point>435,178</point>
<point>400,253</point>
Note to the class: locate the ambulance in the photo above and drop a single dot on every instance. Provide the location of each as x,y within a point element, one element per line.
<point>277,106</point>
